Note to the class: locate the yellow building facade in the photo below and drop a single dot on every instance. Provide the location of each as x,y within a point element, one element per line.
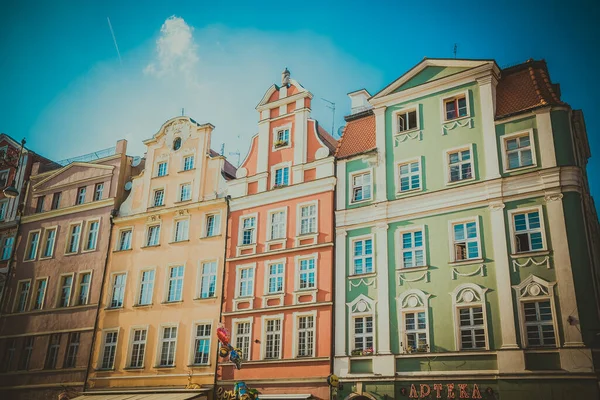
<point>162,287</point>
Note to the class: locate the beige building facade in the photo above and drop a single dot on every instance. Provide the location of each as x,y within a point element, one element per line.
<point>162,292</point>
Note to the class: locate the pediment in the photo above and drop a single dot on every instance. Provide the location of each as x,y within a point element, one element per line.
<point>180,126</point>
<point>73,174</point>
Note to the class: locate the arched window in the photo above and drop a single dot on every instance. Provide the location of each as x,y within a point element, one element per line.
<point>362,326</point>
<point>470,317</point>
<point>413,320</point>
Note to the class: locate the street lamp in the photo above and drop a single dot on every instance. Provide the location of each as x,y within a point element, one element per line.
<point>11,191</point>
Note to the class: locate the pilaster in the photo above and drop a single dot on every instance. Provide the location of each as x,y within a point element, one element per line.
<point>545,140</point>
<point>299,138</point>
<point>262,163</point>
<point>340,293</point>
<point>383,295</point>
<point>341,185</point>
<point>487,89</point>
<point>380,170</point>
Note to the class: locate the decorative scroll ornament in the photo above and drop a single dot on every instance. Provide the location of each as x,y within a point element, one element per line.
<point>529,262</point>
<point>402,278</point>
<point>480,270</point>
<point>154,218</point>
<point>553,197</point>
<point>453,125</point>
<point>321,153</point>
<point>468,295</point>
<point>181,213</point>
<point>362,281</point>
<point>403,137</point>
<point>241,173</point>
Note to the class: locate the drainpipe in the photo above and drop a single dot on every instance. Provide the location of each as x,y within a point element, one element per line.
<point>94,334</point>
<point>333,269</point>
<point>227,199</point>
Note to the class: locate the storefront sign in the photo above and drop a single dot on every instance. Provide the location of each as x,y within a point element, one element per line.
<point>444,391</point>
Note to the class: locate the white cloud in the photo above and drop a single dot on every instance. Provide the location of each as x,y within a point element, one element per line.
<point>231,70</point>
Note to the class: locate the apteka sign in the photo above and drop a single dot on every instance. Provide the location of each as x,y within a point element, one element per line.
<point>444,391</point>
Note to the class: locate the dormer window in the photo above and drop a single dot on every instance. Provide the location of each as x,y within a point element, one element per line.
<point>456,107</point>
<point>282,138</point>
<point>177,144</point>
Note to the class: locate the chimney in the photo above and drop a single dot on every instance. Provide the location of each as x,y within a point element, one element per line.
<point>285,77</point>
<point>360,101</point>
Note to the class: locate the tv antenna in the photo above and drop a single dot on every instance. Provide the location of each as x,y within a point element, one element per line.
<point>234,153</point>
<point>455,49</point>
<point>331,106</point>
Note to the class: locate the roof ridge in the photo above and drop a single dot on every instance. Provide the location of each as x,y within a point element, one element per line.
<point>546,79</point>
<point>536,86</point>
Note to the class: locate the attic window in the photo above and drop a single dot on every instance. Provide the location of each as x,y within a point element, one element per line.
<point>177,144</point>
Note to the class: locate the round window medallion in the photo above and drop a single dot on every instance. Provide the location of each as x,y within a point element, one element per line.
<point>361,307</point>
<point>534,290</point>
<point>412,302</point>
<point>177,143</point>
<point>468,296</point>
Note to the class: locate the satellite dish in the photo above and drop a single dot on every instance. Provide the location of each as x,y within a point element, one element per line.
<point>340,131</point>
<point>128,185</point>
<point>135,162</point>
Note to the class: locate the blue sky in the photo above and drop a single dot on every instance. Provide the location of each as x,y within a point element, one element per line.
<point>64,88</point>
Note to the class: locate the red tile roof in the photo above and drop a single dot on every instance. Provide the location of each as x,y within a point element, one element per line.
<point>228,170</point>
<point>329,140</point>
<point>358,136</point>
<point>525,87</point>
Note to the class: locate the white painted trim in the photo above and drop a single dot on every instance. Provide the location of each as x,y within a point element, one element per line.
<point>282,165</point>
<point>17,295</point>
<point>110,292</point>
<point>511,223</point>
<point>278,129</point>
<point>103,344</point>
<point>192,353</point>
<point>176,220</point>
<point>88,224</point>
<point>263,342</point>
<point>424,307</point>
<point>45,238</point>
<point>132,328</point>
<point>297,260</point>
<point>299,217</point>
<point>451,237</point>
<point>446,163</point>
<point>59,287</point>
<point>504,138</point>
<point>138,292</point>
<point>200,275</point>
<point>159,343</point>
<point>238,269</point>
<point>454,96</point>
<point>481,292</point>
<point>28,245</point>
<point>234,322</point>
<point>146,236</point>
<point>398,250</point>
<point>295,332</point>
<point>270,212</point>
<point>373,255</point>
<point>408,161</point>
<point>118,238</point>
<point>169,267</point>
<point>404,110</point>
<point>351,186</point>
<point>203,226</point>
<point>241,229</point>
<point>267,275</point>
<point>78,285</point>
<point>367,313</point>
<point>68,241</point>
<point>33,293</point>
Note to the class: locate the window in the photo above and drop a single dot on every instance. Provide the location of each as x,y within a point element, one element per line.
<point>9,354</point>
<point>32,245</point>
<point>518,150</point>
<point>363,333</point>
<point>109,350</point>
<point>26,352</point>
<point>275,278</point>
<point>80,195</point>
<point>49,240</point>
<point>248,230</point>
<point>308,219</point>
<point>277,222</point>
<point>213,224</point>
<point>138,348</point>
<point>242,338</point>
<point>306,274</point>
<point>181,230</point>
<point>159,197</point>
<point>7,245</point>
<point>188,163</point>
<point>22,295</point>
<point>66,283</point>
<point>306,336</point>
<point>413,305</point>
<point>55,201</point>
<point>83,291</point>
<point>146,287</point>
<point>153,235</point>
<point>118,290</point>
<point>175,284</point>
<point>409,174</point>
<point>472,329</point>
<point>460,165</point>
<point>362,259</point>
<point>3,208</point>
<point>162,169</point>
<point>412,249</point>
<point>40,293</point>
<point>202,344</point>
<point>538,323</point>
<point>92,235</point>
<point>456,107</point>
<point>282,138</point>
<point>246,282</point>
<point>177,144</point>
<point>98,189</point>
<point>4,175</point>
<point>527,231</point>
<point>273,339</point>
<point>466,240</point>
<point>185,192</point>
<point>52,353</point>
<point>361,187</point>
<point>72,349</point>
<point>73,239</point>
<point>39,207</point>
<point>167,346</point>
<point>282,176</point>
<point>407,121</point>
<point>125,239</point>
<point>415,331</point>
<point>208,280</point>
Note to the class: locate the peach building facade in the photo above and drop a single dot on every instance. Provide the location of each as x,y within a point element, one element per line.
<point>277,301</point>
<point>162,292</point>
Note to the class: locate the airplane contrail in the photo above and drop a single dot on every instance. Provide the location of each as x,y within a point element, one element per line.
<point>114,40</point>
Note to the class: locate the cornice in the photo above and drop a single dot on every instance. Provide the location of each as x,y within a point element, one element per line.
<point>64,185</point>
<point>68,210</point>
<point>170,210</point>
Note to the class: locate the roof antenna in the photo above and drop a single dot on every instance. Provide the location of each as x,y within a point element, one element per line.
<point>331,106</point>
<point>455,49</point>
<point>236,153</point>
<point>182,111</point>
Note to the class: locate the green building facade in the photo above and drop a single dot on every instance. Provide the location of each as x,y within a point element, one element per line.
<point>466,239</point>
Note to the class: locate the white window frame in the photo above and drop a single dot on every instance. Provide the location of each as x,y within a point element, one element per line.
<point>263,342</point>
<point>299,217</point>
<point>413,301</point>
<point>513,232</point>
<point>28,245</point>
<point>276,167</point>
<point>201,277</point>
<point>277,129</point>
<point>34,293</point>
<point>157,166</point>
<point>100,360</point>
<point>69,235</point>
<point>443,100</point>
<point>168,281</point>
<point>451,237</point>
<point>147,236</point>
<point>45,239</point>
<point>18,296</point>
<point>186,235</point>
<point>153,198</point>
<point>99,185</point>
<point>82,190</point>
<point>160,342</point>
<point>267,276</point>
<point>234,335</point>
<point>88,225</point>
<point>447,153</point>
<point>409,161</point>
<point>185,184</point>
<point>405,110</point>
<point>111,293</point>
<point>469,295</point>
<point>351,186</point>
<point>194,337</point>
<point>217,224</point>
<point>238,270</point>
<point>140,284</point>
<point>193,157</point>
<point>296,332</point>
<point>133,342</point>
<point>80,275</point>
<point>241,230</point>
<point>59,290</point>
<point>361,307</point>
<point>400,250</point>
<point>298,261</point>
<point>269,232</point>
<point>504,138</point>
<point>351,255</point>
<point>118,242</point>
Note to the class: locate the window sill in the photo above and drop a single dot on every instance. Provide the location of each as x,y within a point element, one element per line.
<point>88,251</point>
<point>366,275</point>
<point>198,365</point>
<point>466,262</point>
<point>413,269</point>
<point>518,169</point>
<point>352,203</point>
<point>449,121</point>
<point>156,207</point>
<point>306,234</point>
<point>460,181</point>
<point>413,130</point>
<point>185,170</point>
<point>211,237</point>
<point>534,253</point>
<point>164,366</point>
<point>150,246</point>
<point>166,303</point>
<point>40,259</point>
<point>160,176</point>
<point>205,298</point>
<point>69,254</point>
<point>408,192</point>
<point>122,250</point>
<point>182,201</point>
<point>179,241</point>
<point>143,305</point>
<point>113,308</point>
<point>133,368</point>
<point>104,369</point>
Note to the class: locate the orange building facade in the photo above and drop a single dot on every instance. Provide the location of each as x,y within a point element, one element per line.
<point>277,299</point>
